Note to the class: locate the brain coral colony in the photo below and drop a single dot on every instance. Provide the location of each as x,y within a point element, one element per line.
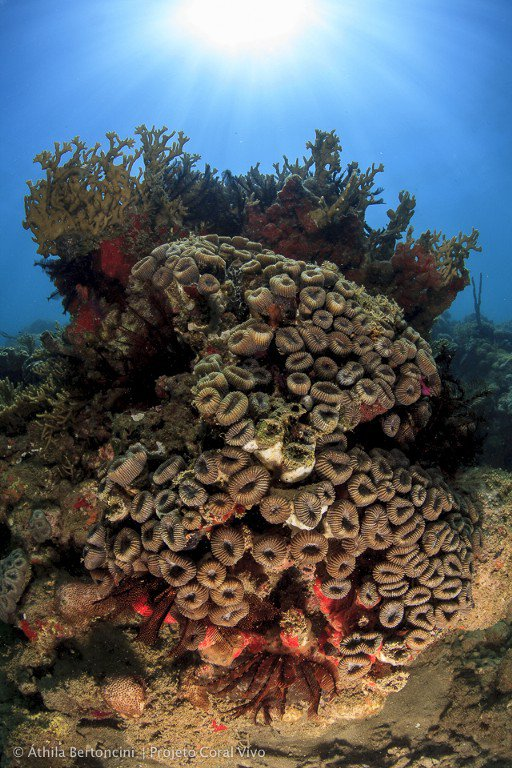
<point>281,523</point>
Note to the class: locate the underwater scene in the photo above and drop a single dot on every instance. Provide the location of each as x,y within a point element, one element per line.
<point>256,384</point>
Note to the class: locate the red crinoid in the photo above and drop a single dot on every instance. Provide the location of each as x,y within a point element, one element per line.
<point>160,605</point>
<point>147,598</point>
<point>266,681</point>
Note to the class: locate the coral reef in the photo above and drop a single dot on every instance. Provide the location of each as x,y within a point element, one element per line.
<point>282,510</point>
<point>67,660</point>
<point>94,215</point>
<point>240,452</point>
<point>481,358</point>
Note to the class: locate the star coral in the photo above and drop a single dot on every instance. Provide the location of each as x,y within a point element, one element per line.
<point>295,540</point>
<point>14,577</point>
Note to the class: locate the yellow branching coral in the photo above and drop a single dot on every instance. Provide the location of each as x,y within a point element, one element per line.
<point>355,198</point>
<point>8,392</point>
<point>449,253</point>
<point>21,402</point>
<point>58,414</point>
<point>322,165</point>
<point>325,155</point>
<point>88,192</point>
<point>25,403</point>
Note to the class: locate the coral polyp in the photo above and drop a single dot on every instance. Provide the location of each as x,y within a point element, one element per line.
<point>298,531</point>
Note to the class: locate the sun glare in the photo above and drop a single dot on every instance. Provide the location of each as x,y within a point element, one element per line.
<point>245,26</point>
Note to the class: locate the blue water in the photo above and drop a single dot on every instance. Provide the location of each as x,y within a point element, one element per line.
<point>423,86</point>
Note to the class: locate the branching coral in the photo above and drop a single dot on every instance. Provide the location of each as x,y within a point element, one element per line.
<point>318,210</point>
<point>382,242</point>
<point>85,192</point>
<point>96,208</point>
<point>429,273</point>
<point>58,416</point>
<point>51,407</point>
<point>23,403</point>
<point>90,192</point>
<point>320,214</point>
<point>8,392</point>
<point>41,375</point>
<point>285,539</point>
<point>98,215</point>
